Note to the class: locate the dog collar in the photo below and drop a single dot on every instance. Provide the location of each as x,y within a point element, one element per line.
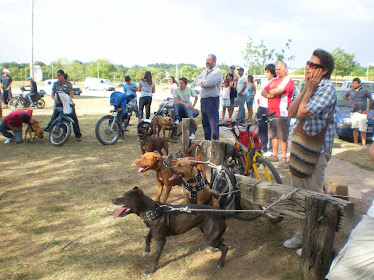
<point>153,214</point>
<point>198,187</point>
<point>166,163</point>
<point>198,178</point>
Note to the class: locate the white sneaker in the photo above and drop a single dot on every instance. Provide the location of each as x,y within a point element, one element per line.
<point>267,154</point>
<point>8,141</point>
<point>192,136</point>
<point>299,251</point>
<point>292,243</point>
<point>176,122</point>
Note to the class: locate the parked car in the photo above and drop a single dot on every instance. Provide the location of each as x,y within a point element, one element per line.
<point>48,84</point>
<point>98,84</point>
<point>343,115</point>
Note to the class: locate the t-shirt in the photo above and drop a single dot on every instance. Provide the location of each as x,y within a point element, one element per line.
<point>128,90</point>
<point>14,118</point>
<point>5,81</point>
<point>226,93</point>
<point>184,95</point>
<point>280,103</point>
<point>358,98</point>
<point>242,80</point>
<point>263,100</point>
<point>146,89</point>
<point>64,87</point>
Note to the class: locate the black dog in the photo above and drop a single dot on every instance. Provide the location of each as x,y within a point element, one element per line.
<point>162,222</point>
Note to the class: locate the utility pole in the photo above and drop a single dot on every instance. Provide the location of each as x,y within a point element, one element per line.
<point>32,40</point>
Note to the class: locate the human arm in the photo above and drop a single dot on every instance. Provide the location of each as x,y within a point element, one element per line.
<point>8,125</point>
<point>154,89</point>
<point>140,87</point>
<point>194,103</point>
<point>371,151</point>
<point>346,96</point>
<point>254,90</point>
<point>243,89</point>
<point>211,80</point>
<point>370,103</point>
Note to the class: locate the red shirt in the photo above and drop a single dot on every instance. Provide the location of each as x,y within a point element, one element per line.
<point>280,103</point>
<point>14,118</point>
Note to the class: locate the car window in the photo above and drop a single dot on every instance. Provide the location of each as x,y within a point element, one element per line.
<point>341,101</point>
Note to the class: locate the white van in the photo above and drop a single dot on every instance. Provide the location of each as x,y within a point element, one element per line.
<point>98,84</point>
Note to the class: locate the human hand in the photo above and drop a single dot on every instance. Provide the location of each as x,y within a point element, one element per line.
<point>315,78</point>
<point>199,81</point>
<point>366,111</point>
<point>186,105</point>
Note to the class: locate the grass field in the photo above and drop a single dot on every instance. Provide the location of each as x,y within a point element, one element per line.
<point>56,220</point>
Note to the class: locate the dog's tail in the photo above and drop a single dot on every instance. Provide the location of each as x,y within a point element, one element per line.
<point>200,150</point>
<point>236,216</point>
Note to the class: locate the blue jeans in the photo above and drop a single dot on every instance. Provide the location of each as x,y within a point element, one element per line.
<point>181,108</point>
<point>17,135</point>
<point>210,117</point>
<point>241,113</point>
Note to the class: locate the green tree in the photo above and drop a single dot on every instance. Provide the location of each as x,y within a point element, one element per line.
<point>344,62</point>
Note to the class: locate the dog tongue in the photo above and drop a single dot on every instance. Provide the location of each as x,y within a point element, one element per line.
<point>120,211</point>
<point>175,177</point>
<point>142,169</point>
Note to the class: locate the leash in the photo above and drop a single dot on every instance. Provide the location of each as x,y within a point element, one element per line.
<point>264,210</point>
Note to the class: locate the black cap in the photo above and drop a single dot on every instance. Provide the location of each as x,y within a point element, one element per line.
<point>240,69</point>
<point>127,78</point>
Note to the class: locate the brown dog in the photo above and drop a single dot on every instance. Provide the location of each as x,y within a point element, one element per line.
<point>152,161</point>
<point>197,190</point>
<point>156,123</point>
<point>34,127</point>
<point>167,124</point>
<point>150,144</point>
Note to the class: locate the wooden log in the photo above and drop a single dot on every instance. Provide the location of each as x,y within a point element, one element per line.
<point>185,135</point>
<point>265,193</point>
<point>322,215</point>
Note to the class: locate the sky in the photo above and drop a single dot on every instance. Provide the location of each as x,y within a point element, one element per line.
<point>143,32</point>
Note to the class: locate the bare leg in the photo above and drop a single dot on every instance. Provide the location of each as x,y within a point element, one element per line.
<point>355,135</point>
<point>363,138</point>
<point>283,148</point>
<point>275,143</point>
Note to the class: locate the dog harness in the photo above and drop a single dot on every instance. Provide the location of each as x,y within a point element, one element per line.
<point>203,183</point>
<point>166,163</point>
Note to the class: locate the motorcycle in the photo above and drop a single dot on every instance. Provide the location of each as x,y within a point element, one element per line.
<point>110,127</point>
<point>20,101</point>
<point>165,109</point>
<point>60,130</point>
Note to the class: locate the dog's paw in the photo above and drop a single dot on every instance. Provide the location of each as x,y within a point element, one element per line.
<point>220,265</point>
<point>146,253</point>
<point>149,271</point>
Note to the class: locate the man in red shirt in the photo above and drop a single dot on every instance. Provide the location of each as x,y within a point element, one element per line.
<point>279,93</point>
<point>14,122</point>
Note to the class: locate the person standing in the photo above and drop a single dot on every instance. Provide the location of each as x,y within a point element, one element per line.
<point>63,86</point>
<point>183,103</point>
<point>131,88</point>
<point>357,96</point>
<point>14,123</point>
<point>251,92</point>
<point>314,108</point>
<point>33,91</point>
<point>279,94</point>
<point>147,88</point>
<point>232,72</point>
<point>264,110</point>
<point>210,81</point>
<point>225,98</point>
<point>6,86</point>
<point>242,97</point>
<point>233,93</point>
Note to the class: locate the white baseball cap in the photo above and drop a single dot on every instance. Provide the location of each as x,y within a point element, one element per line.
<point>6,71</point>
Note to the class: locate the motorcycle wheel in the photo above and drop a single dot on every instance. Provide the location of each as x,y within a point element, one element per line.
<point>146,126</point>
<point>105,133</point>
<point>14,103</point>
<point>59,136</point>
<point>40,104</point>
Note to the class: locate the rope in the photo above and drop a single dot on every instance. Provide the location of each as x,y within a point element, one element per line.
<point>265,209</point>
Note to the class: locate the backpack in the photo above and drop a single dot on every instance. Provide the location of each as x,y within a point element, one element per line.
<point>243,137</point>
<point>223,181</point>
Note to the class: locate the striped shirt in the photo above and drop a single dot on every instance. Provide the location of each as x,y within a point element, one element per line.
<point>279,104</point>
<point>320,105</point>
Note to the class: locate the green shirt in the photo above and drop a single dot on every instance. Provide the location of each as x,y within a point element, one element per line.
<point>184,95</point>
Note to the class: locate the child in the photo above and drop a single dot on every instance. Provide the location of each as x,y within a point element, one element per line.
<point>225,98</point>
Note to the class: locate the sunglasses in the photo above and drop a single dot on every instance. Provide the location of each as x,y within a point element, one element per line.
<point>313,65</point>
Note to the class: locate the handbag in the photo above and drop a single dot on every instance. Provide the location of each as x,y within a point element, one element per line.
<point>305,149</point>
<point>233,93</point>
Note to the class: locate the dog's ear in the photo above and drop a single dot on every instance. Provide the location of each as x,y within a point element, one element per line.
<point>139,192</point>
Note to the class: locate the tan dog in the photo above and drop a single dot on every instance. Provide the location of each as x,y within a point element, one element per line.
<point>197,189</point>
<point>156,123</point>
<point>153,161</point>
<point>167,124</point>
<point>34,127</point>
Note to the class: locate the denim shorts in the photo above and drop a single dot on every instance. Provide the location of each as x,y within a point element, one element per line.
<point>225,102</point>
